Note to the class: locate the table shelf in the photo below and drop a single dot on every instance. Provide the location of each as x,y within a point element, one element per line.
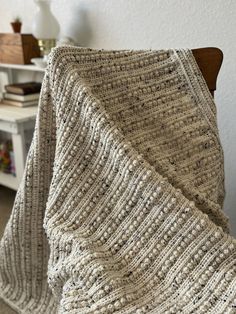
<point>26,67</point>
<point>8,180</point>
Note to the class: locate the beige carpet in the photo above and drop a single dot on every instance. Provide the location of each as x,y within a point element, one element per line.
<point>6,201</point>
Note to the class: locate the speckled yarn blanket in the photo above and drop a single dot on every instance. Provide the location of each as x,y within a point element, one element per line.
<point>119,209</point>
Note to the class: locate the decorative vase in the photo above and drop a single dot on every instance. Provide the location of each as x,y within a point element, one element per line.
<point>16,26</point>
<point>45,26</point>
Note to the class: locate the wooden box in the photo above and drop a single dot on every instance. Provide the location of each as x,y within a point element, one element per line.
<point>18,48</point>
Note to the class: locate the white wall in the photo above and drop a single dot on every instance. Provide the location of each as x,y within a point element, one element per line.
<point>156,24</point>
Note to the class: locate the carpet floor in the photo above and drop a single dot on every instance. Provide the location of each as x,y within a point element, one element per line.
<point>7,197</point>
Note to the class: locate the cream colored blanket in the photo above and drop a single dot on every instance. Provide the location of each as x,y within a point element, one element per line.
<point>119,210</point>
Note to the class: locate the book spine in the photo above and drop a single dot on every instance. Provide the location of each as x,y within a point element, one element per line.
<point>23,90</point>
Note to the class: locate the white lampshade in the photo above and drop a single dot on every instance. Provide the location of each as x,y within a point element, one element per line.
<point>45,25</point>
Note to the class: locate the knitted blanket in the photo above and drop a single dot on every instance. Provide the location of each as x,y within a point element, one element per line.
<point>119,209</point>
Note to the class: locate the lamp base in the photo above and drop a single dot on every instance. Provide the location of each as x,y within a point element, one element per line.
<point>45,45</point>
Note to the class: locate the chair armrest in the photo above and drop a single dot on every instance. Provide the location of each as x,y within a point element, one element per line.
<point>209,61</point>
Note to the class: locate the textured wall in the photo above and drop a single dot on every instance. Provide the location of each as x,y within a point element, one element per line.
<point>156,24</point>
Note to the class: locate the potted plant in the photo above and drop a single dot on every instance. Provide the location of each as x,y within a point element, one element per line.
<point>16,25</point>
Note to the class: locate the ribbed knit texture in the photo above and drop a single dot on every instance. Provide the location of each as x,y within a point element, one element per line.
<point>119,210</point>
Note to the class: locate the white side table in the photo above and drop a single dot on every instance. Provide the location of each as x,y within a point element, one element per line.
<point>17,121</point>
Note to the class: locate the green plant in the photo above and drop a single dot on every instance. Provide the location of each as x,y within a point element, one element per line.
<point>17,19</point>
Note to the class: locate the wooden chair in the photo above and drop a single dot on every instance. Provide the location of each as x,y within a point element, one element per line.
<point>209,61</point>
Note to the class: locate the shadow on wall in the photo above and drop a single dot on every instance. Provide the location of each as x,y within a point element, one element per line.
<point>79,27</point>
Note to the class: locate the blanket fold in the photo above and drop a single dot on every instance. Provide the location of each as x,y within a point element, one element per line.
<point>119,209</point>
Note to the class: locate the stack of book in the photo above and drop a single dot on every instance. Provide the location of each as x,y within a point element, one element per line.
<point>22,94</point>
